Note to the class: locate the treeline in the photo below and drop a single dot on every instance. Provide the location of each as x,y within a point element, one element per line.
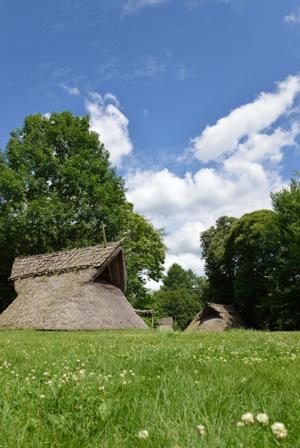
<point>254,262</point>
<point>181,296</point>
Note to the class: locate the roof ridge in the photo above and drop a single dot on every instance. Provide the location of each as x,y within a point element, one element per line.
<point>65,260</point>
<point>65,251</point>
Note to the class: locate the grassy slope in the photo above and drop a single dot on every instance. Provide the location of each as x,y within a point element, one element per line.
<point>51,388</point>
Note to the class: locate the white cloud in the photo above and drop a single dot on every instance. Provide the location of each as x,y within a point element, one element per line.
<point>252,150</point>
<point>187,205</point>
<point>293,17</point>
<point>224,137</point>
<point>132,6</point>
<point>111,124</point>
<point>263,147</point>
<point>187,261</point>
<point>71,90</point>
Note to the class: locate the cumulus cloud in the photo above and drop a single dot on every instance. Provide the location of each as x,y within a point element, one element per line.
<point>251,143</point>
<point>293,18</point>
<point>224,136</point>
<point>108,120</point>
<point>71,90</point>
<point>132,6</point>
<point>185,206</point>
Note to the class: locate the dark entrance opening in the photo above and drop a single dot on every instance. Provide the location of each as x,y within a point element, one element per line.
<point>104,276</point>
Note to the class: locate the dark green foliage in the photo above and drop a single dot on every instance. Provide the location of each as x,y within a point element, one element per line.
<point>56,188</point>
<point>180,296</point>
<point>217,265</point>
<point>252,248</point>
<point>254,262</point>
<point>145,257</point>
<point>286,204</point>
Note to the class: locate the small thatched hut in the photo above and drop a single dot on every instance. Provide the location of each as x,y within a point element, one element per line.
<point>79,289</point>
<point>165,324</point>
<point>215,317</point>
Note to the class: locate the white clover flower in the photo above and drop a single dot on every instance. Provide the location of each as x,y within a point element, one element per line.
<point>201,430</point>
<point>42,396</point>
<point>263,419</point>
<point>279,430</point>
<point>247,418</point>
<point>143,434</point>
<point>240,424</point>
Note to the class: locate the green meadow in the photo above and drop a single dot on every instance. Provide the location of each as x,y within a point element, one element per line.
<point>100,389</point>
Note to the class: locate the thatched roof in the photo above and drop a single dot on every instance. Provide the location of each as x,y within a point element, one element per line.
<point>165,323</point>
<point>79,289</point>
<point>64,261</point>
<point>69,301</point>
<point>215,317</point>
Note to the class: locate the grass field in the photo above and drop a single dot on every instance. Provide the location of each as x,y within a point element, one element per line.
<point>100,389</point>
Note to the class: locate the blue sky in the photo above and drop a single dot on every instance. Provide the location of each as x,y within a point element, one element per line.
<point>197,100</point>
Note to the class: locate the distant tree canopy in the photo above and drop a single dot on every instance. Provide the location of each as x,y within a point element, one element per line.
<point>254,262</point>
<point>56,188</point>
<point>181,295</point>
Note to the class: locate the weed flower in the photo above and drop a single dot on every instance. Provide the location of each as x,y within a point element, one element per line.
<point>263,419</point>
<point>279,430</point>
<point>240,424</point>
<point>143,434</point>
<point>201,430</point>
<point>247,418</point>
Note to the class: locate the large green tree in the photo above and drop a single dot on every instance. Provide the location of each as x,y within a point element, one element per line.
<point>286,205</point>
<point>253,262</point>
<point>217,265</point>
<point>252,248</point>
<point>181,295</point>
<point>56,188</point>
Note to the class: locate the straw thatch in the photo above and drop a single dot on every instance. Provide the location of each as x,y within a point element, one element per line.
<point>80,289</point>
<point>215,317</point>
<point>165,324</point>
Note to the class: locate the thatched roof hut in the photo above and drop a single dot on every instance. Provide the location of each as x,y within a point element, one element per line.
<point>215,317</point>
<point>165,324</point>
<point>79,289</point>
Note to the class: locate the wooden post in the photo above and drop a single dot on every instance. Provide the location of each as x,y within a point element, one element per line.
<point>104,234</point>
